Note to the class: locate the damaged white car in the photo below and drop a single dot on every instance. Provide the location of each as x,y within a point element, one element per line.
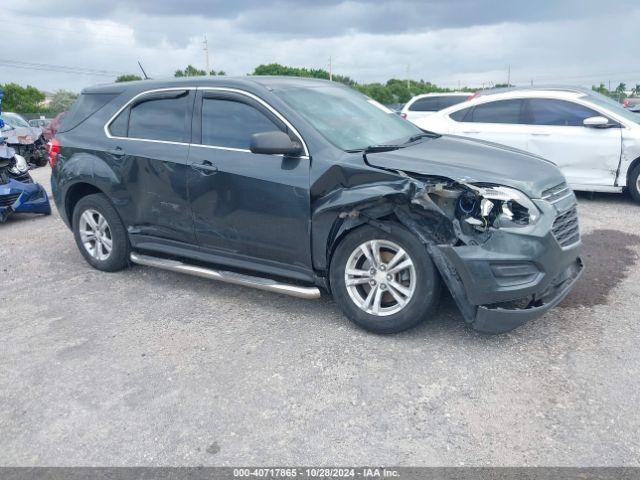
<point>592,139</point>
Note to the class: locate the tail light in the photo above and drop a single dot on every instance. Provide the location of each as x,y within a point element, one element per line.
<point>53,148</point>
<point>403,115</point>
<point>625,103</point>
<point>475,95</point>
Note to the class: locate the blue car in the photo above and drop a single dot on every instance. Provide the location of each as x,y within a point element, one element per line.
<point>18,192</point>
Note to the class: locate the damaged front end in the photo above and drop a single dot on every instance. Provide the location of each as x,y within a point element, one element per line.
<point>29,143</point>
<point>506,258</point>
<point>18,192</point>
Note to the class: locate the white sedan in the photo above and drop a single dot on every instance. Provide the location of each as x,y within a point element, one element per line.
<point>592,139</point>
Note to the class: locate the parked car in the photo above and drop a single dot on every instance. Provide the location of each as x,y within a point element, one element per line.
<point>424,105</point>
<point>26,140</point>
<point>292,185</point>
<point>18,192</point>
<point>592,139</point>
<point>39,122</point>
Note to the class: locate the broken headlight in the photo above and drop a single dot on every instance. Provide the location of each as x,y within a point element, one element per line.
<point>20,166</point>
<point>484,206</point>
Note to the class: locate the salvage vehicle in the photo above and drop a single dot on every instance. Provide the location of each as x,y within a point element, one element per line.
<point>593,139</point>
<point>292,185</point>
<point>18,192</point>
<point>26,140</point>
<point>40,122</point>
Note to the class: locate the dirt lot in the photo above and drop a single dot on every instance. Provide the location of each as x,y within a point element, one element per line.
<point>146,367</point>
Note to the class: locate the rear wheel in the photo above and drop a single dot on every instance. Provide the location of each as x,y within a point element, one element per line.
<point>100,234</point>
<point>634,183</point>
<point>384,282</point>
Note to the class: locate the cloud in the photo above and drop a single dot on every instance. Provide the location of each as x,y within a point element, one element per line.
<point>471,42</point>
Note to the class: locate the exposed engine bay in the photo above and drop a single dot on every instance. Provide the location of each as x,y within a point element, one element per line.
<point>477,208</point>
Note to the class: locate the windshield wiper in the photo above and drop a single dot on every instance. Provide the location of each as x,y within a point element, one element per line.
<point>381,148</point>
<point>418,136</point>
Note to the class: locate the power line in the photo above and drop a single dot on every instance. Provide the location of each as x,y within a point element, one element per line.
<point>57,68</point>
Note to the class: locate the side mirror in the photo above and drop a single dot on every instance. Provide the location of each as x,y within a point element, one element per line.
<point>274,143</point>
<point>595,122</point>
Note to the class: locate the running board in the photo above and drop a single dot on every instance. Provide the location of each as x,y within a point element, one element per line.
<point>228,277</point>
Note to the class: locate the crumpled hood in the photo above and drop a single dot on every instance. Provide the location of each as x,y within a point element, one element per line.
<point>470,160</point>
<point>22,135</point>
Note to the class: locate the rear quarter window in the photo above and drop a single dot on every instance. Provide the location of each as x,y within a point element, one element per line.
<point>86,105</point>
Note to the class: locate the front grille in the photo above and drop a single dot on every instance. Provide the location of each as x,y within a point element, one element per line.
<point>566,228</point>
<point>557,193</point>
<point>8,200</point>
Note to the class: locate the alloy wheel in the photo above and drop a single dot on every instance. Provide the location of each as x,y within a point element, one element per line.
<point>380,277</point>
<point>95,234</point>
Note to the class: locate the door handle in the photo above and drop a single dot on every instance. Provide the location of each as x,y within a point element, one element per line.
<point>205,168</point>
<point>540,134</point>
<point>471,131</point>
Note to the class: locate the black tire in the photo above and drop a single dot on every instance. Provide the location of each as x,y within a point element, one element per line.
<point>422,304</point>
<point>118,258</point>
<point>634,183</point>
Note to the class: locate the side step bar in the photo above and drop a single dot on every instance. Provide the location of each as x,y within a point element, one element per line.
<point>228,277</point>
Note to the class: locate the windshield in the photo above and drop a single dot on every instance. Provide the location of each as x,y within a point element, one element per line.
<point>613,106</point>
<point>346,118</point>
<point>14,120</point>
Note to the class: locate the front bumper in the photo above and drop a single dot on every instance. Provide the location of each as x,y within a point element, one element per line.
<point>22,197</point>
<point>516,275</point>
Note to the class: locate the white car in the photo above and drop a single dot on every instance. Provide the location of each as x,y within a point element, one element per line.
<point>592,139</point>
<point>426,104</point>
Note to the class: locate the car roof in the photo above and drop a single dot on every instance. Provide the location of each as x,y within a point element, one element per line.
<point>222,80</point>
<point>560,89</point>
<point>440,94</point>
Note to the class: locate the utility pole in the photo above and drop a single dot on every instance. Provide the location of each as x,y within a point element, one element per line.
<point>330,70</point>
<point>205,47</point>
<point>509,75</point>
<point>408,81</point>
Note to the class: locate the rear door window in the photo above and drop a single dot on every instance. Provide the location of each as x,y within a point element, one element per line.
<point>500,111</point>
<point>230,123</point>
<point>160,117</point>
<point>547,111</point>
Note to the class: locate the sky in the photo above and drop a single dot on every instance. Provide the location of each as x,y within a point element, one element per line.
<point>70,44</point>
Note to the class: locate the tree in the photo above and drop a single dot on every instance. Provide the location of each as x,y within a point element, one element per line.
<point>129,77</point>
<point>21,99</point>
<point>277,69</point>
<point>61,101</point>
<point>190,71</point>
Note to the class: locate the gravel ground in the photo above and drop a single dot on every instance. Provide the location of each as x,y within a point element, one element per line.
<point>147,367</point>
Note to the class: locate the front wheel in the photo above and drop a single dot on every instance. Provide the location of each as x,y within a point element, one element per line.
<point>384,282</point>
<point>634,183</point>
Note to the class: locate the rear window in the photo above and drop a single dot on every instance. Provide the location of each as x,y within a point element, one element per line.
<point>86,105</point>
<point>435,104</point>
<point>446,102</point>
<point>427,104</point>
